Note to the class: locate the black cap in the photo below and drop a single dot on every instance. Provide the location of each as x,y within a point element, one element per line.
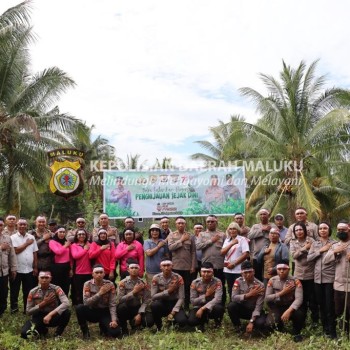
<point>52,222</point>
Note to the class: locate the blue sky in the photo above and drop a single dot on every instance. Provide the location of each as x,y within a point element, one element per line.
<point>153,75</point>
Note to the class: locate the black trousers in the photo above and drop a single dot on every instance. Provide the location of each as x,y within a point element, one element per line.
<point>274,321</point>
<point>230,278</point>
<point>162,308</point>
<point>101,316</point>
<point>78,283</point>
<point>59,321</point>
<point>309,299</point>
<point>4,289</point>
<point>187,277</point>
<point>60,276</point>
<point>258,270</point>
<point>127,313</point>
<point>325,300</point>
<point>28,281</point>
<point>216,314</point>
<point>238,311</point>
<point>339,302</point>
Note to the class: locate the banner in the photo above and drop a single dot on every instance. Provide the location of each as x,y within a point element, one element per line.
<point>151,194</point>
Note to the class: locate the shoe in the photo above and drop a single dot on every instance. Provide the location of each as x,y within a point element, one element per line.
<point>86,333</point>
<point>298,338</point>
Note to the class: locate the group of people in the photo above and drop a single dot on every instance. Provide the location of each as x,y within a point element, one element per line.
<point>179,276</point>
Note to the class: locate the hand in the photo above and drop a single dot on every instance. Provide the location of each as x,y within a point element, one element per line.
<point>48,299</point>
<point>86,247</point>
<point>113,324</point>
<point>105,246</point>
<point>235,241</point>
<point>307,245</point>
<point>256,290</point>
<point>267,250</point>
<point>46,236</point>
<point>210,291</point>
<point>185,237</point>
<point>199,312</point>
<point>47,319</point>
<point>171,316</point>
<point>29,241</point>
<point>266,228</point>
<point>325,248</point>
<point>4,246</point>
<point>137,320</point>
<point>286,315</point>
<point>67,244</point>
<point>174,285</point>
<point>13,275</point>
<point>288,288</point>
<point>35,271</point>
<point>161,244</point>
<point>215,238</point>
<point>340,248</point>
<point>130,247</point>
<point>249,327</point>
<point>105,288</point>
<point>138,288</point>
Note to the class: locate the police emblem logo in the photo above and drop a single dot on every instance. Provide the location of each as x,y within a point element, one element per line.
<point>66,179</point>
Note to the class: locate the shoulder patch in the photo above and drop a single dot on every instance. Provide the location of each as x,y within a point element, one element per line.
<point>298,283</point>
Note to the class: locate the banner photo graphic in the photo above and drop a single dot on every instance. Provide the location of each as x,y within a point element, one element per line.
<point>157,193</point>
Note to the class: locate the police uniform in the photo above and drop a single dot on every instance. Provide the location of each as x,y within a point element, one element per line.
<point>164,303</point>
<point>247,309</point>
<point>279,304</point>
<point>60,305</point>
<point>129,305</point>
<point>98,308</point>
<point>212,304</point>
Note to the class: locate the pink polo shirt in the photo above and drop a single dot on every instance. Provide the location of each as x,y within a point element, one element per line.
<point>82,260</point>
<point>122,254</point>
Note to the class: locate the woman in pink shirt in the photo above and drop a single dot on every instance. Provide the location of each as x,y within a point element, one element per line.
<point>81,264</point>
<point>103,252</point>
<point>129,248</point>
<point>61,267</point>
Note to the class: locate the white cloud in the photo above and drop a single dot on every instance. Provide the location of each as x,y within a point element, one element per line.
<point>152,74</point>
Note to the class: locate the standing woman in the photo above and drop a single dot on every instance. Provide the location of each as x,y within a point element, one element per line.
<point>304,269</point>
<point>324,278</point>
<point>235,250</point>
<point>61,267</point>
<point>103,252</point>
<point>156,250</point>
<point>81,264</point>
<point>129,248</point>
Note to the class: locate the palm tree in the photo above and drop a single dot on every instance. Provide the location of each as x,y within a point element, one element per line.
<point>132,162</point>
<point>224,149</point>
<point>30,123</point>
<point>300,123</point>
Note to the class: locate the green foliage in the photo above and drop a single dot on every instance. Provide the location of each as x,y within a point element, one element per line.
<point>114,210</point>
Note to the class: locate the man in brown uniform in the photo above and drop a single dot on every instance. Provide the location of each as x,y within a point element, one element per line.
<point>48,306</point>
<point>183,250</point>
<point>259,237</point>
<point>239,218</point>
<point>112,232</point>
<point>284,297</point>
<point>211,242</point>
<point>10,227</point>
<point>134,298</point>
<point>99,305</point>
<point>8,266</point>
<point>168,296</point>
<point>206,295</point>
<point>247,300</point>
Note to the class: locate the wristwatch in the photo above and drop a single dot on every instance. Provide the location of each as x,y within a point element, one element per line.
<point>251,320</point>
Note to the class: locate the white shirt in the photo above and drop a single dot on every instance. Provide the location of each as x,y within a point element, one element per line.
<point>238,249</point>
<point>24,259</point>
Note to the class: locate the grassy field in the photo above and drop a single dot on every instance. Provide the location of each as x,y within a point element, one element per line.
<point>168,339</point>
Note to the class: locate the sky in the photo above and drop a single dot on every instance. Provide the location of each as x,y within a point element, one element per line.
<point>154,75</point>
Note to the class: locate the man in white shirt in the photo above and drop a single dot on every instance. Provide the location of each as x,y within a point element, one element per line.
<point>27,264</point>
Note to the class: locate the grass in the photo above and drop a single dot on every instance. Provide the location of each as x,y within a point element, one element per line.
<point>168,339</point>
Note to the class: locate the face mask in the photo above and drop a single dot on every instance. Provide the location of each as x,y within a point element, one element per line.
<point>342,235</point>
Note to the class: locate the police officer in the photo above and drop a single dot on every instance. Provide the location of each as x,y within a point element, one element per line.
<point>284,297</point>
<point>134,298</point>
<point>99,305</point>
<point>206,295</point>
<point>168,296</point>
<point>247,300</point>
<point>48,306</point>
